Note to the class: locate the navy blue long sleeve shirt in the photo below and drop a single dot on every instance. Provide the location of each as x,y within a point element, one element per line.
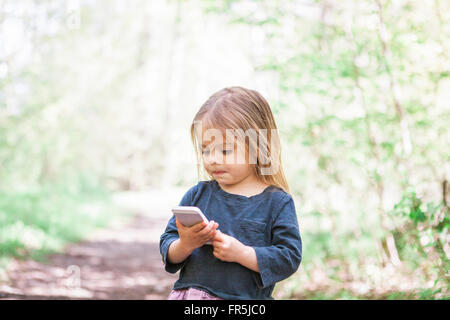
<point>266,221</point>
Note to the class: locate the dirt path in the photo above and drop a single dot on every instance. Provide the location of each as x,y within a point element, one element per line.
<point>121,262</point>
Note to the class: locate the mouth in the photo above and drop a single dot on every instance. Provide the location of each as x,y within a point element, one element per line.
<point>218,172</point>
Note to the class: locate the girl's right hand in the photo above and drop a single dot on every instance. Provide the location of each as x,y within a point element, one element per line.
<point>197,235</point>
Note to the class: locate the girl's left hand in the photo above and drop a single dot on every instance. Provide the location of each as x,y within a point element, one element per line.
<point>227,248</point>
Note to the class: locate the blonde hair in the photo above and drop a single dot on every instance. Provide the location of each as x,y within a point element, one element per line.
<point>243,109</point>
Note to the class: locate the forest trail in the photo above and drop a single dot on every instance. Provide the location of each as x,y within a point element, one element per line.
<point>121,261</point>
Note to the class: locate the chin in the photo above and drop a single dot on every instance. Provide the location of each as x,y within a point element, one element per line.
<point>222,180</point>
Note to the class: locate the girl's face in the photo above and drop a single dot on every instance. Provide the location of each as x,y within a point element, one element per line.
<point>226,162</point>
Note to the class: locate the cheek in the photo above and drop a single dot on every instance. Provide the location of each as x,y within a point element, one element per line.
<point>238,157</point>
<point>240,169</point>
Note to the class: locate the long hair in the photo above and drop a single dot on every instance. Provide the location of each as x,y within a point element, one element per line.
<point>243,110</point>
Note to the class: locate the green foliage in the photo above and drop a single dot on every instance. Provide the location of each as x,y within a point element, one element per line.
<point>361,100</point>
<point>36,222</point>
<point>422,236</point>
<point>364,107</point>
<point>411,207</point>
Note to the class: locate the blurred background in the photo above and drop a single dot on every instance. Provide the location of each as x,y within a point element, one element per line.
<point>97,97</point>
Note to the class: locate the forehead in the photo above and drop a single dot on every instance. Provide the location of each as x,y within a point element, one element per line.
<point>217,142</point>
<point>214,137</point>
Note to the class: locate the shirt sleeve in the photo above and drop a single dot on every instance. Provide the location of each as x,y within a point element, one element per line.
<point>282,258</point>
<point>171,234</point>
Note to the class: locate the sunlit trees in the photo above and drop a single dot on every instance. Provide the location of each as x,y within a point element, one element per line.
<point>359,89</point>
<point>362,110</point>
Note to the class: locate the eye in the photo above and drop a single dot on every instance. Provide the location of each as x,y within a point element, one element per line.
<point>227,151</point>
<point>205,151</point>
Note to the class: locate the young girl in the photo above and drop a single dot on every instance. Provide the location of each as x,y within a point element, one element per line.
<point>252,219</point>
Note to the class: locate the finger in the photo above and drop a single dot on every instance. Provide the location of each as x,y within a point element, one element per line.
<point>214,229</point>
<point>207,230</point>
<point>213,235</point>
<point>208,238</point>
<point>219,236</point>
<point>216,253</point>
<point>178,223</point>
<point>199,226</point>
<point>212,225</point>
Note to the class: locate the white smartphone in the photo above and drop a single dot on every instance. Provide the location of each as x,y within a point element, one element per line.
<point>188,216</point>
